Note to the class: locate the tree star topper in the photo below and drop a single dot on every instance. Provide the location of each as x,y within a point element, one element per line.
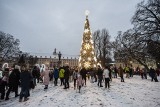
<point>87,12</point>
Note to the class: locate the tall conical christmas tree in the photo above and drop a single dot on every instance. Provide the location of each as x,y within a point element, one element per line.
<point>87,57</point>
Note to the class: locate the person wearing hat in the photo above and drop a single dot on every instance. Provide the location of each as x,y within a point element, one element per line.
<point>13,82</point>
<point>25,78</point>
<point>4,82</point>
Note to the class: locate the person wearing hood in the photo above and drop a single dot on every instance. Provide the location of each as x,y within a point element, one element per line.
<point>45,76</point>
<point>56,76</point>
<point>66,77</point>
<point>13,83</point>
<point>4,82</point>
<point>79,82</point>
<point>25,79</point>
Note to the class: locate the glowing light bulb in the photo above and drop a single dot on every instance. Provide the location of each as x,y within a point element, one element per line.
<point>87,12</point>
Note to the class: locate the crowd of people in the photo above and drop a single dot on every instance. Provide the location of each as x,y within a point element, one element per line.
<point>26,79</point>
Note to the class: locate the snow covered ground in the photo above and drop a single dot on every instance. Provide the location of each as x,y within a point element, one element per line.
<point>135,92</point>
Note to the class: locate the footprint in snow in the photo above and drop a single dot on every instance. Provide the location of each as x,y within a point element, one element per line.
<point>98,99</point>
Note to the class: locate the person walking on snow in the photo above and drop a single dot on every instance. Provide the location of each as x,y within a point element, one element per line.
<point>83,73</point>
<point>75,75</point>
<point>14,78</point>
<point>61,75</point>
<point>56,76</point>
<point>45,76</point>
<point>106,76</point>
<point>25,78</point>
<point>79,82</point>
<point>100,76</point>
<point>66,77</point>
<point>121,73</point>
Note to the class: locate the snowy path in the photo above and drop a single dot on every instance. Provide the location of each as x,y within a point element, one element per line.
<point>133,93</point>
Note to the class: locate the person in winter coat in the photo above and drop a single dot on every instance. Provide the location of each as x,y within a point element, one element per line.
<point>100,76</point>
<point>79,82</point>
<point>153,74</point>
<point>121,73</point>
<point>106,76</point>
<point>110,73</point>
<point>50,75</point>
<point>61,75</point>
<point>3,83</point>
<point>83,73</point>
<point>92,75</point>
<point>13,83</point>
<point>66,77</point>
<point>115,72</point>
<point>75,74</point>
<point>145,72</point>
<point>56,76</point>
<point>34,74</point>
<point>45,76</point>
<point>126,69</point>
<point>25,79</point>
<point>38,74</point>
<point>131,71</point>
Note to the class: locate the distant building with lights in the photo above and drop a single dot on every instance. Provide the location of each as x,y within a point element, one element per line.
<point>53,61</point>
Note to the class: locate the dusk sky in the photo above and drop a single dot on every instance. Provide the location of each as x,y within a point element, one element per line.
<point>43,25</point>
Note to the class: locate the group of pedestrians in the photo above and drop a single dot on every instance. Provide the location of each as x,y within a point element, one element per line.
<point>12,79</point>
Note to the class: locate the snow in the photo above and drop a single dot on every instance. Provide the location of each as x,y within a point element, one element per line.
<point>134,92</point>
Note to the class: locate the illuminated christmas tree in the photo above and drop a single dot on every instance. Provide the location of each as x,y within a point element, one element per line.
<point>87,57</point>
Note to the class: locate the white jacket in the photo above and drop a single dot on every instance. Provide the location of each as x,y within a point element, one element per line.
<point>106,73</point>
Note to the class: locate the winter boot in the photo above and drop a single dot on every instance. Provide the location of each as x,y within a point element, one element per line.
<point>20,100</point>
<point>25,99</point>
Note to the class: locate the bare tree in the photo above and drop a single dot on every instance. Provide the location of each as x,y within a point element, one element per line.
<point>102,46</point>
<point>9,47</point>
<point>128,47</point>
<point>146,23</point>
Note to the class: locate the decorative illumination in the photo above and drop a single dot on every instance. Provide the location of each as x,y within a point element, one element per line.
<point>99,64</point>
<point>86,31</point>
<point>84,52</point>
<point>87,12</point>
<point>80,58</point>
<point>95,59</point>
<point>87,46</point>
<point>94,65</point>
<point>87,54</point>
<point>87,64</point>
<point>89,58</point>
<point>91,41</point>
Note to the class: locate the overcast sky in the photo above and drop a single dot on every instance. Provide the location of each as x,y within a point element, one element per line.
<point>43,25</point>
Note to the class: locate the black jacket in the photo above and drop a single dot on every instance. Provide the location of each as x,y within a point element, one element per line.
<point>100,73</point>
<point>25,78</point>
<point>66,73</point>
<point>14,78</point>
<point>83,72</point>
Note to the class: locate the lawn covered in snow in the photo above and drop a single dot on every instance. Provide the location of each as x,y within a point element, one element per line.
<point>134,92</point>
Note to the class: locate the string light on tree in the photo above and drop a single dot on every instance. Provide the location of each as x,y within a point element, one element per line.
<point>87,54</point>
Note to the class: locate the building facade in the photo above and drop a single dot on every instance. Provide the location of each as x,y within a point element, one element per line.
<point>51,62</point>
